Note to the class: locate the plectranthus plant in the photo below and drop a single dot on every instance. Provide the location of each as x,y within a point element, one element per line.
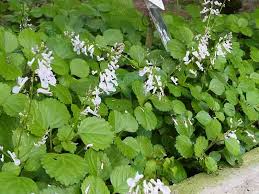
<point>86,107</point>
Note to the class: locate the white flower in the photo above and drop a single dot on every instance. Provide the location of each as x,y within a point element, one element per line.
<point>29,63</point>
<point>231,134</point>
<point>251,136</point>
<point>20,83</point>
<point>88,110</point>
<point>1,148</point>
<point>94,72</point>
<point>99,58</point>
<point>46,75</point>
<point>211,7</point>
<point>187,59</point>
<point>2,158</point>
<point>88,146</point>
<point>155,187</point>
<point>42,141</point>
<point>44,91</point>
<point>153,83</point>
<point>87,189</point>
<point>132,182</point>
<point>16,161</point>
<point>175,80</point>
<point>193,72</point>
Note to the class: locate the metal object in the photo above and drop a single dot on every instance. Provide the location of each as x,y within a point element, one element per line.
<point>155,7</point>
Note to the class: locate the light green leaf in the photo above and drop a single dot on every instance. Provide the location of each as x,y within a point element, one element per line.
<point>113,36</point>
<point>79,68</point>
<point>129,147</point>
<point>178,107</point>
<point>28,38</point>
<point>119,178</point>
<point>66,168</point>
<point>217,87</point>
<point>146,118</point>
<point>213,129</point>
<point>11,168</point>
<point>96,131</point>
<point>177,49</point>
<point>162,104</point>
<point>255,77</point>
<point>62,93</point>
<point>138,89</point>
<point>65,133</point>
<point>183,34</point>
<point>200,146</point>
<point>11,184</point>
<point>203,117</point>
<point>232,146</point>
<point>137,53</point>
<point>98,164</point>
<point>15,104</point>
<point>231,96</point>
<point>211,164</point>
<point>145,146</point>
<point>229,109</point>
<point>4,92</point>
<point>94,185</point>
<point>60,66</point>
<point>252,98</point>
<point>184,146</point>
<point>254,54</point>
<point>10,42</point>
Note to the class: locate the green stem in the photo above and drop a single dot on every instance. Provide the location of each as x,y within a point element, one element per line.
<point>24,122</point>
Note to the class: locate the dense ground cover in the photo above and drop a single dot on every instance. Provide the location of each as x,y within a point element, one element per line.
<point>86,107</point>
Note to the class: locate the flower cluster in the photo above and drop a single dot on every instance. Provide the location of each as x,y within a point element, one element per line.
<point>250,135</point>
<point>42,141</point>
<point>153,83</point>
<point>80,46</point>
<point>44,58</point>
<point>108,80</point>
<point>211,7</point>
<point>25,23</point>
<point>20,83</point>
<point>231,134</point>
<point>198,55</point>
<point>12,155</point>
<point>223,47</point>
<point>149,187</point>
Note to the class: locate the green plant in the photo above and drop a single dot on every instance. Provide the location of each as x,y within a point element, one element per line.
<point>94,111</point>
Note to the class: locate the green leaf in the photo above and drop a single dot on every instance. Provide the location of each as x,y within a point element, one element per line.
<point>123,122</point>
<point>79,68</point>
<point>49,113</point>
<point>231,96</point>
<point>211,164</point>
<point>232,146</point>
<point>28,38</point>
<point>254,54</point>
<point>203,117</point>
<point>200,146</point>
<point>252,98</point>
<point>96,131</point>
<point>11,168</point>
<point>119,178</point>
<point>65,133</point>
<point>183,34</point>
<point>94,185</point>
<point>183,126</point>
<point>146,118</point>
<point>138,89</point>
<point>129,147</point>
<point>60,66</point>
<point>255,77</point>
<point>4,92</point>
<point>13,185</point>
<point>137,53</point>
<point>15,104</point>
<point>177,49</point>
<point>66,168</point>
<point>113,36</point>
<point>178,107</point>
<point>145,146</point>
<point>10,42</point>
<point>8,70</point>
<point>184,146</point>
<point>62,93</point>
<point>217,87</point>
<point>213,129</point>
<point>98,164</point>
<point>162,104</point>
<point>229,109</point>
